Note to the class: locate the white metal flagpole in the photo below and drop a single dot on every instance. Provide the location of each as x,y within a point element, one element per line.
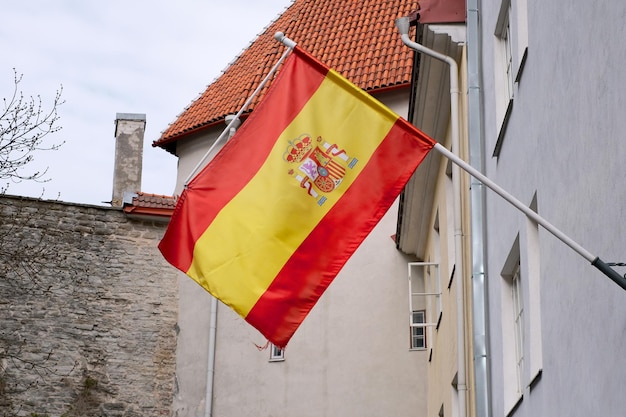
<point>595,261</point>
<point>290,46</point>
<point>208,410</point>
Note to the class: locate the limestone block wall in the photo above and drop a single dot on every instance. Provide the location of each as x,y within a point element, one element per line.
<point>88,312</point>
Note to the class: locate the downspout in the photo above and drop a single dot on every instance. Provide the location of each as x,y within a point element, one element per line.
<point>208,402</point>
<point>233,123</point>
<point>403,25</point>
<point>477,207</point>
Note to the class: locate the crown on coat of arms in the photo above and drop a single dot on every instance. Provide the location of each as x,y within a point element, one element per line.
<point>299,148</point>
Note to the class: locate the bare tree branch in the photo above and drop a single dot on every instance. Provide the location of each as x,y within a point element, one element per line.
<point>24,127</point>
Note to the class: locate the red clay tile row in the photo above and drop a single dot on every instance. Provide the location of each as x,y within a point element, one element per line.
<point>154,201</point>
<point>355,37</point>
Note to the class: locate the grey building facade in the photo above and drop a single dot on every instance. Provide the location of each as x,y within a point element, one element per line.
<point>552,93</point>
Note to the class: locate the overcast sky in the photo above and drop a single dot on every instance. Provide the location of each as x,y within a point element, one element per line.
<point>118,56</point>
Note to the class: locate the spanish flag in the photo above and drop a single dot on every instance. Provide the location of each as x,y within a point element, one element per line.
<point>267,225</point>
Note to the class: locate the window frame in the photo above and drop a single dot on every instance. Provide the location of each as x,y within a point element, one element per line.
<point>510,53</point>
<point>518,323</point>
<point>413,329</point>
<point>505,36</point>
<point>427,289</point>
<point>276,354</point>
<point>504,79</point>
<point>513,343</point>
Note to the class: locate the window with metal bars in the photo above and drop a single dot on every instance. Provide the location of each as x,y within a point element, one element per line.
<point>418,335</point>
<point>276,354</point>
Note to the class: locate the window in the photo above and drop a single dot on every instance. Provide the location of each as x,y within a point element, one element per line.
<point>521,20</point>
<point>418,336</point>
<point>507,58</point>
<point>518,325</point>
<point>276,354</point>
<point>503,72</point>
<point>513,330</point>
<point>424,302</point>
<point>511,49</point>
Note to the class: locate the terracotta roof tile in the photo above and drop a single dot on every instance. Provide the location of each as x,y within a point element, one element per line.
<point>355,37</point>
<point>151,204</point>
<point>154,200</point>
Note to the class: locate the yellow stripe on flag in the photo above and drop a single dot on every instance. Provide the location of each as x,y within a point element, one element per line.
<point>273,214</point>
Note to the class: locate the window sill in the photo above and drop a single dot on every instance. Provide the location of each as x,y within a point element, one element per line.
<point>515,406</point>
<point>522,63</point>
<point>418,349</point>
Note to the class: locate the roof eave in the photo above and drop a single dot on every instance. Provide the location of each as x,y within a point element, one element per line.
<point>431,115</point>
<point>169,142</point>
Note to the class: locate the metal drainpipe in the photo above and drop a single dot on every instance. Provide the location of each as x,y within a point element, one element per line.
<point>208,400</point>
<point>478,224</point>
<point>403,25</point>
<point>233,123</point>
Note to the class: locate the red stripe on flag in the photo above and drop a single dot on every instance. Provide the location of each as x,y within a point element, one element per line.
<point>222,179</point>
<point>314,265</point>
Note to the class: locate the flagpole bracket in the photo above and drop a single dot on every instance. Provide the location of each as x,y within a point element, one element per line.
<point>610,272</point>
<point>280,37</point>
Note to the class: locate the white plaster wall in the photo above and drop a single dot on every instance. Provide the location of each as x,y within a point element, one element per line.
<point>396,99</point>
<point>564,142</point>
<point>350,357</point>
<point>192,150</point>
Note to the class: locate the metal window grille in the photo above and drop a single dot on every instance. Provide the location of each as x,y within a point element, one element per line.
<point>421,320</point>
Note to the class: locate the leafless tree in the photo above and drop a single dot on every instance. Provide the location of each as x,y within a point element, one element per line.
<point>32,260</point>
<point>24,129</point>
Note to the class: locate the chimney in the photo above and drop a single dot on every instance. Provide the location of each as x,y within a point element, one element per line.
<point>129,132</point>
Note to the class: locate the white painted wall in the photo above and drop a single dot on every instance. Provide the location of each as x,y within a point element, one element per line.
<point>350,357</point>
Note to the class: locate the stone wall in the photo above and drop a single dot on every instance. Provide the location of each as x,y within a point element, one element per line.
<point>88,312</point>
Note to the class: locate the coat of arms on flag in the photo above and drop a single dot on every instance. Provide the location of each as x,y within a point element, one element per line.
<point>321,166</point>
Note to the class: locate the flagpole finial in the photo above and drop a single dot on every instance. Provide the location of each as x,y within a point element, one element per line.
<point>280,37</point>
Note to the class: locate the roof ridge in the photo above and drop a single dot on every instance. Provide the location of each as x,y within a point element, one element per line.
<point>142,193</point>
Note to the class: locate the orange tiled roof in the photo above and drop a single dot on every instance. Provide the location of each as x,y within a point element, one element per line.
<point>151,204</point>
<point>357,38</point>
